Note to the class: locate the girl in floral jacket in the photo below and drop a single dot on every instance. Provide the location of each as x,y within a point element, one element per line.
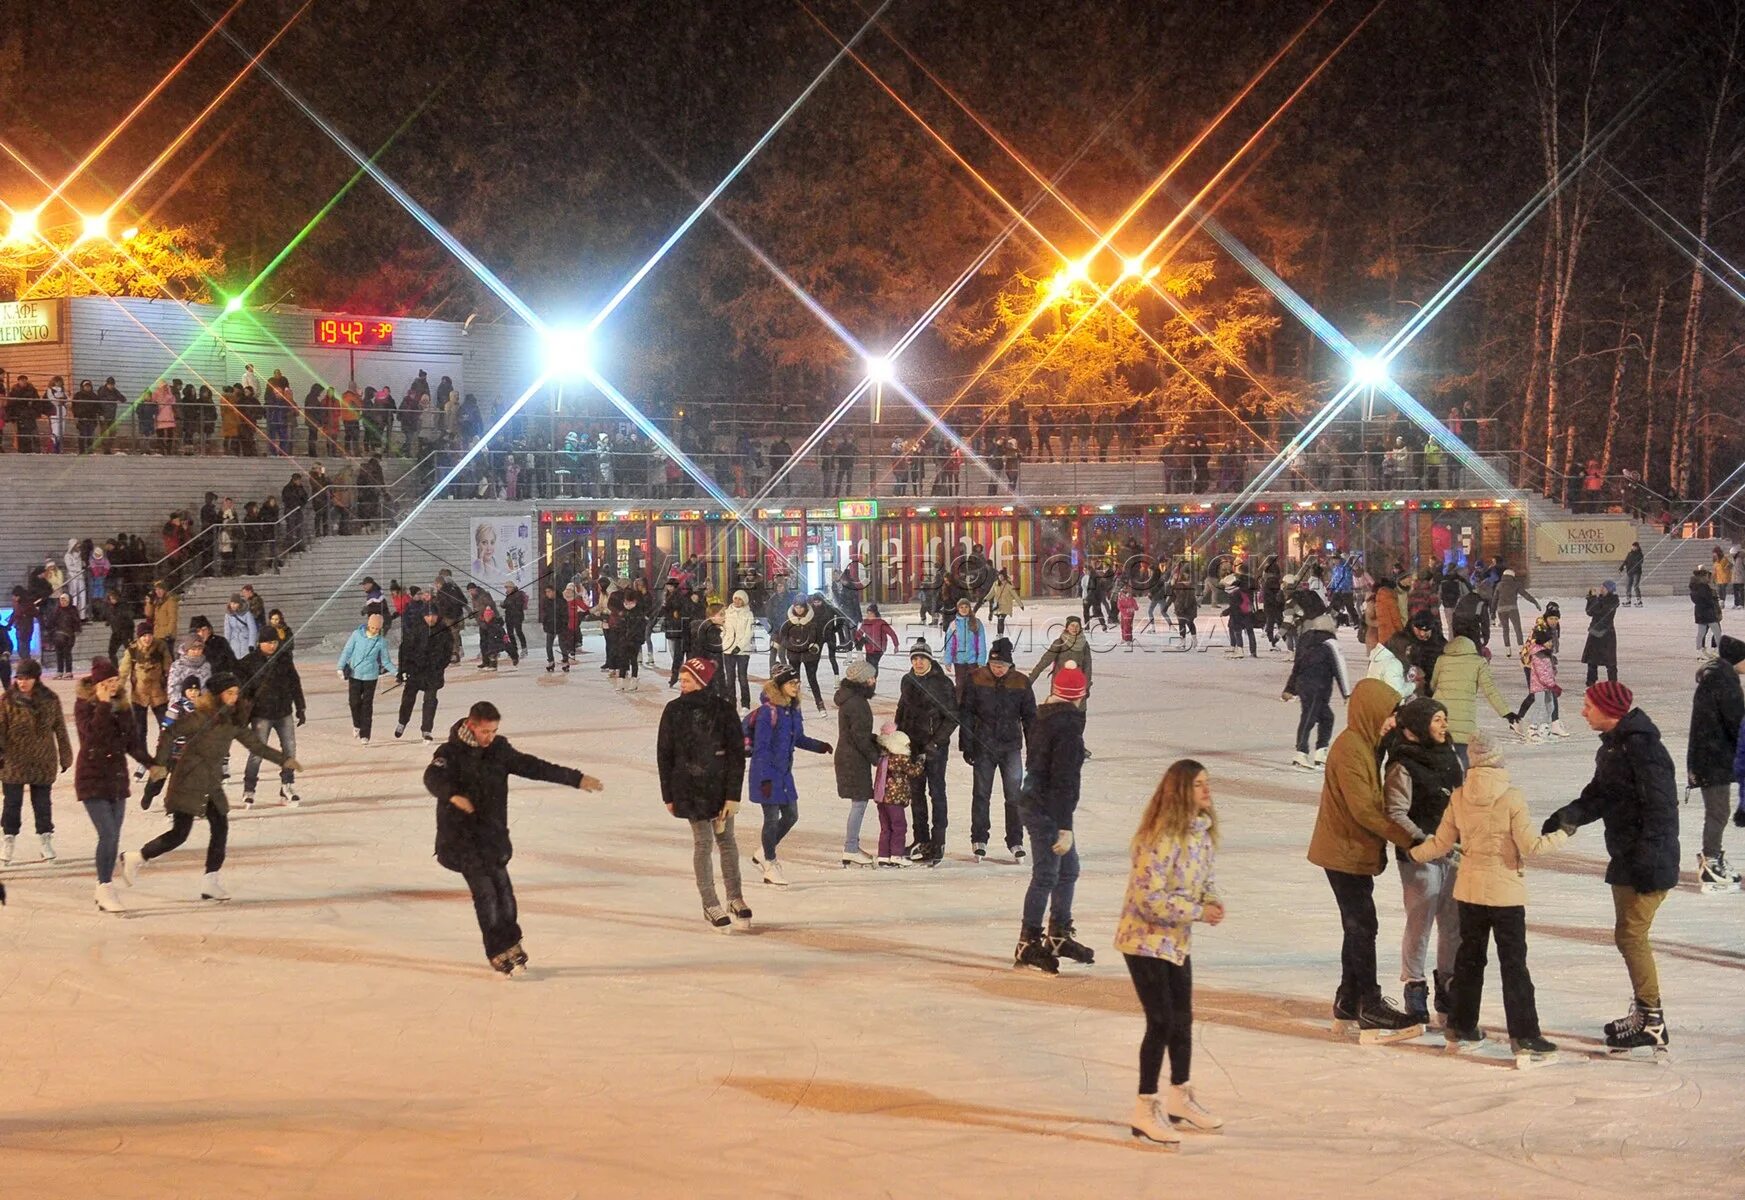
<point>1171,886</point>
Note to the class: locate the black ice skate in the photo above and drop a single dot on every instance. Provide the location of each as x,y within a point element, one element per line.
<point>1714,876</point>
<point>1532,1052</point>
<point>1626,1023</point>
<point>1374,1021</point>
<point>1645,1038</point>
<point>1033,953</point>
<point>1062,944</point>
<point>1417,1000</point>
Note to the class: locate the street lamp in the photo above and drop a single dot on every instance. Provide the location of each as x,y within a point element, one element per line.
<point>569,353</point>
<point>96,228</point>
<point>880,370</point>
<point>1369,372</point>
<point>23,227</point>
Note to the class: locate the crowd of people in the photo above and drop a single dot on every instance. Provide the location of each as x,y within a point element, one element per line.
<point>1413,767</point>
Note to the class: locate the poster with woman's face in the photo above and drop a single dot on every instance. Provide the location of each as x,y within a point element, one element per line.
<point>503,552</point>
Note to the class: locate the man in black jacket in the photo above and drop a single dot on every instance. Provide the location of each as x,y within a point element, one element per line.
<point>672,625</point>
<point>1635,792</point>
<point>700,753</point>
<point>1715,713</point>
<point>274,693</point>
<point>1047,803</point>
<point>927,713</point>
<point>469,777</point>
<point>998,708</point>
<point>426,649</point>
<point>215,646</point>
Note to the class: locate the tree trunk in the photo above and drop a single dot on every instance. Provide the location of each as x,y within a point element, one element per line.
<point>1648,392</point>
<point>1685,393</point>
<point>1568,459</point>
<point>1612,406</point>
<point>1530,397</point>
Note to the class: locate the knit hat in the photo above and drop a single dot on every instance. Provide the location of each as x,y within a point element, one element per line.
<point>860,672</point>
<point>920,650</point>
<point>1424,620</point>
<point>1611,698</point>
<point>894,740</point>
<point>1483,750</point>
<point>1611,586</point>
<point>1416,714</point>
<point>1001,651</point>
<point>1552,610</point>
<point>238,598</point>
<point>141,628</point>
<point>222,682</point>
<point>190,643</point>
<point>1510,571</point>
<point>701,669</point>
<point>28,668</point>
<point>101,669</point>
<point>199,623</point>
<point>1070,682</point>
<point>1732,651</point>
<point>784,676</point>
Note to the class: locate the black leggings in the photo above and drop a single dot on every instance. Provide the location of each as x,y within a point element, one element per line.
<point>1166,993</point>
<point>181,825</point>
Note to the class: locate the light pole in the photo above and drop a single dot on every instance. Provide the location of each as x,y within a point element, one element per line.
<point>880,370</point>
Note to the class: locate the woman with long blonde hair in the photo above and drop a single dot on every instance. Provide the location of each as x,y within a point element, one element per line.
<point>1171,885</point>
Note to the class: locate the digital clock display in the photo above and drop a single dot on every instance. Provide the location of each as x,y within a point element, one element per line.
<point>353,332</point>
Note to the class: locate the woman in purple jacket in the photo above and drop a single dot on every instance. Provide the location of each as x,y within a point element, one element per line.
<point>773,731</point>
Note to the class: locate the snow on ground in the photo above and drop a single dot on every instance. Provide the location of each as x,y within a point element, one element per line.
<point>334,1031</point>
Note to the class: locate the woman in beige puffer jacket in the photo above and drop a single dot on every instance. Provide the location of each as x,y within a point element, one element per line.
<point>1488,817</point>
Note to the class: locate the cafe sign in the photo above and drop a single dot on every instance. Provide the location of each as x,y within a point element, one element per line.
<point>29,322</point>
<point>1601,542</point>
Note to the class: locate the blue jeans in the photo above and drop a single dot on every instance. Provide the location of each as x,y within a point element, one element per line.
<point>1010,765</point>
<point>286,728</point>
<point>1052,878</point>
<point>494,905</point>
<point>106,816</point>
<point>777,820</point>
<point>856,814</point>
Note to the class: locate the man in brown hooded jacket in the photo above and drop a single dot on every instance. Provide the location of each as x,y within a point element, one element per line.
<point>1350,843</point>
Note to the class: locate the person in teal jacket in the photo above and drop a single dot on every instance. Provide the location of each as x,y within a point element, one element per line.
<point>362,663</point>
<point>966,644</point>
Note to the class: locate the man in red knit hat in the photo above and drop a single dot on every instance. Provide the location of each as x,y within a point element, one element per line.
<point>1635,792</point>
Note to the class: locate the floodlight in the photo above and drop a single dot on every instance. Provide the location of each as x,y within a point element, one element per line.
<point>569,353</point>
<point>1369,372</point>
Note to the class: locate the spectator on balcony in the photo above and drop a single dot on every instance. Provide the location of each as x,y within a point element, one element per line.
<point>229,536</point>
<point>470,421</point>
<point>311,415</point>
<point>253,412</point>
<point>350,419</point>
<point>411,416</point>
<point>1593,487</point>
<point>87,412</point>
<point>1045,434</point>
<point>294,496</point>
<point>205,418</point>
<point>230,420</point>
<point>779,454</point>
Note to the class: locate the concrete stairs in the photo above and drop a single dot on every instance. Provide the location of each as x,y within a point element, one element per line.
<point>1668,561</point>
<point>48,498</point>
<point>315,587</point>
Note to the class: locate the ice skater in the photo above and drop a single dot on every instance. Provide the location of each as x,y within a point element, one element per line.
<point>191,756</point>
<point>1047,804</point>
<point>34,749</point>
<point>426,649</point>
<point>1172,883</point>
<point>469,777</point>
<point>1634,790</point>
<point>362,664</point>
<point>857,756</point>
<point>700,754</point>
<point>1541,666</point>
<point>1716,711</point>
<point>773,731</point>
<point>1488,818</point>
<point>1316,669</point>
<point>894,788</point>
<point>1422,773</point>
<point>927,712</point>
<point>1350,844</point>
<point>108,737</point>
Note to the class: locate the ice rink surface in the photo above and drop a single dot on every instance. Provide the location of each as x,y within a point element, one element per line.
<point>333,1031</point>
